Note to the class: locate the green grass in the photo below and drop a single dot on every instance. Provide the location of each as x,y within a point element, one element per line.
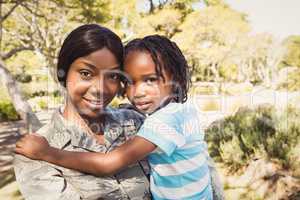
<point>8,187</point>
<point>11,192</point>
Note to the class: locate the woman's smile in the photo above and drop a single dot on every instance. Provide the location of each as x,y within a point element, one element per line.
<point>92,82</point>
<point>94,103</point>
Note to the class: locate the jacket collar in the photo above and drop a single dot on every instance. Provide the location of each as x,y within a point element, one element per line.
<point>66,133</point>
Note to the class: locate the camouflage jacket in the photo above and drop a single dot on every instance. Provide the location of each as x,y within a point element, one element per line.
<point>40,180</point>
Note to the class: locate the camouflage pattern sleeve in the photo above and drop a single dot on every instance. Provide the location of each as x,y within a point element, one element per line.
<point>38,180</point>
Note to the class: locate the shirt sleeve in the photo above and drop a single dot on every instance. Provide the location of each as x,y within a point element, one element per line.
<point>38,180</point>
<point>162,130</point>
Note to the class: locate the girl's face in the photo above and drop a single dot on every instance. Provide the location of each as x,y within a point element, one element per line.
<point>146,90</point>
<point>92,82</point>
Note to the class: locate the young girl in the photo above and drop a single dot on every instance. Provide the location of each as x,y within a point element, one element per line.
<point>170,136</point>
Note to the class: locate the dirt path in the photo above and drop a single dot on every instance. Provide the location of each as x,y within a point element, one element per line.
<point>10,132</point>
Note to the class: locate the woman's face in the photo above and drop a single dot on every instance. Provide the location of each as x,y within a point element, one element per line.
<point>92,82</point>
<point>146,90</point>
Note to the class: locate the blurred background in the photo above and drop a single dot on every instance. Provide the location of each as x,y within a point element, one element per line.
<point>245,59</point>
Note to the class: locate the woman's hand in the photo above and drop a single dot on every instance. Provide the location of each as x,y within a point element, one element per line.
<point>32,146</point>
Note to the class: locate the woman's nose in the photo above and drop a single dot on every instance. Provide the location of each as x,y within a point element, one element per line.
<point>97,87</point>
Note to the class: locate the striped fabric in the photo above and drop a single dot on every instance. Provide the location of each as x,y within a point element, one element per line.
<point>178,165</point>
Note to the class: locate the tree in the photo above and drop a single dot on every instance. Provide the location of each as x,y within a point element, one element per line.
<point>20,104</point>
<point>292,56</point>
<point>213,32</point>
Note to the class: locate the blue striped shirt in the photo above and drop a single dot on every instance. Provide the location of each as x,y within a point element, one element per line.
<point>179,167</point>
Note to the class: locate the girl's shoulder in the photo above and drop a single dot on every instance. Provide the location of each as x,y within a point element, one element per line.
<point>174,108</point>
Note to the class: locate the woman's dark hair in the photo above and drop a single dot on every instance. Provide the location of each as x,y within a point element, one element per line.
<point>166,55</point>
<point>83,41</point>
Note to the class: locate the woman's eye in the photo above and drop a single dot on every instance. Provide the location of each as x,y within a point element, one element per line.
<point>85,74</point>
<point>114,76</point>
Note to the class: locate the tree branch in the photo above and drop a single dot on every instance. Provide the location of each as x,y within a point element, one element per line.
<point>3,18</point>
<point>31,10</point>
<point>15,51</point>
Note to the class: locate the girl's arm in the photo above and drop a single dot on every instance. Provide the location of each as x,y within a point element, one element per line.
<point>37,147</point>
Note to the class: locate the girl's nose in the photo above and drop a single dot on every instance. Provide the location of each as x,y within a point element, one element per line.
<point>139,91</point>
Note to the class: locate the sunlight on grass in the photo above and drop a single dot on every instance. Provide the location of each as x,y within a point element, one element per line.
<point>11,192</point>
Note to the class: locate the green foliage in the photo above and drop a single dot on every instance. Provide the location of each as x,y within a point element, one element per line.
<point>210,105</point>
<point>165,22</point>
<point>23,78</point>
<point>236,89</point>
<point>7,111</point>
<point>39,89</point>
<point>291,82</point>
<point>90,11</point>
<point>292,57</point>
<point>218,46</point>
<point>3,92</point>
<point>260,132</point>
<point>203,90</point>
<point>214,33</point>
<point>20,64</point>
<point>228,72</point>
<point>214,2</point>
<point>42,104</point>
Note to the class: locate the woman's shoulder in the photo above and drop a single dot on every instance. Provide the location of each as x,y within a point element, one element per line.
<point>55,131</point>
<point>50,126</point>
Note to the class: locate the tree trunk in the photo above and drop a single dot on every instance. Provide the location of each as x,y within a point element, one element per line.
<point>20,104</point>
<point>151,10</point>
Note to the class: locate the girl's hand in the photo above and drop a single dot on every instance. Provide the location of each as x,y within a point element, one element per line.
<point>32,146</point>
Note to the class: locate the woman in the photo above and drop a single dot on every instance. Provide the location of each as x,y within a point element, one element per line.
<point>89,65</point>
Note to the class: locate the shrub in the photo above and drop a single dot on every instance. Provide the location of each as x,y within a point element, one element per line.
<point>235,88</point>
<point>56,93</point>
<point>203,90</point>
<point>291,82</point>
<point>23,78</point>
<point>39,93</point>
<point>42,104</point>
<point>7,111</point>
<point>35,89</point>
<point>263,132</point>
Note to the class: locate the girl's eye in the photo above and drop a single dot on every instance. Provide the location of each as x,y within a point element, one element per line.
<point>150,80</point>
<point>85,74</point>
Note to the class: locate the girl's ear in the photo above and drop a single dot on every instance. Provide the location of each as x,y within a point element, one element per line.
<point>177,92</point>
